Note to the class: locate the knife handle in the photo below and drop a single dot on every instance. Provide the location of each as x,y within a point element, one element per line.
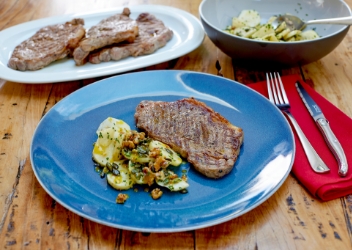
<point>334,145</point>
<point>314,159</point>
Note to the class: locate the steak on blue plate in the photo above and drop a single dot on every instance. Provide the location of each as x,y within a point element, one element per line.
<point>207,139</point>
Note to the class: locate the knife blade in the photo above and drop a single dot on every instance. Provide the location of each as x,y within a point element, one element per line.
<point>324,127</point>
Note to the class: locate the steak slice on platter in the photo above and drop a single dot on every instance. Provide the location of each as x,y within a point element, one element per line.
<point>47,45</point>
<point>208,141</point>
<point>153,34</point>
<point>114,29</point>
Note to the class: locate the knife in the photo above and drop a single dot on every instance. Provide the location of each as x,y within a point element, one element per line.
<point>324,127</point>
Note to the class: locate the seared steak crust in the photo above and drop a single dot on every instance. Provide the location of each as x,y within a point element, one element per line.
<point>152,35</point>
<point>49,44</point>
<point>208,141</point>
<point>115,29</point>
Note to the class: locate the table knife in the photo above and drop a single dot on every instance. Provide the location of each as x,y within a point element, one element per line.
<point>324,127</point>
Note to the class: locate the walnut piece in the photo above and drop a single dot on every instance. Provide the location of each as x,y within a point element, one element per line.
<point>121,198</point>
<point>156,193</point>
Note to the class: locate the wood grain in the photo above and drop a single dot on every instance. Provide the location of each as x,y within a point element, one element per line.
<point>31,219</point>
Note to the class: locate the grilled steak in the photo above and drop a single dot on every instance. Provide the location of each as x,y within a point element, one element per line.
<point>49,44</point>
<point>208,141</point>
<point>115,29</point>
<point>152,35</point>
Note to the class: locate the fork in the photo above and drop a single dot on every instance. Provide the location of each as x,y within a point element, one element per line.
<point>277,95</point>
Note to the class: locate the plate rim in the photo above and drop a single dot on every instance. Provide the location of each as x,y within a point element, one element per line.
<point>168,229</point>
<point>37,77</point>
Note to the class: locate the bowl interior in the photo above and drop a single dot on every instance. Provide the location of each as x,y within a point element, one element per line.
<point>219,13</point>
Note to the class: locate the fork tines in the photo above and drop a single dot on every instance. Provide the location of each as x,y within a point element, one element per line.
<point>276,90</point>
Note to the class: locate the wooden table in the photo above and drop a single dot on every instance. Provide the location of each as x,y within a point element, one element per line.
<point>31,219</point>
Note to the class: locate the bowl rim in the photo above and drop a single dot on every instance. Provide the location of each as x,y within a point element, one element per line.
<point>273,42</point>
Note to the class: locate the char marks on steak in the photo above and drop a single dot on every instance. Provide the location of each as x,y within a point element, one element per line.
<point>115,29</point>
<point>152,35</point>
<point>49,44</point>
<point>208,141</point>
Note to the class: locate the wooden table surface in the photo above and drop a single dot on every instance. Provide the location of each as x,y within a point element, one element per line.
<point>31,219</point>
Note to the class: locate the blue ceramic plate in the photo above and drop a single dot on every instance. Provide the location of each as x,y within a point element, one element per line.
<point>62,146</point>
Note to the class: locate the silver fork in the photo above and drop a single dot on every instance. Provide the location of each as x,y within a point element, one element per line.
<point>277,95</point>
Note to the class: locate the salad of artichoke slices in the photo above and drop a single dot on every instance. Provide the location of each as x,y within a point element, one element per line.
<point>128,157</point>
<point>248,25</point>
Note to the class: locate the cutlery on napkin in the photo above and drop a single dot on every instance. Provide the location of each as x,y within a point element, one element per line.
<point>330,185</point>
<point>324,127</point>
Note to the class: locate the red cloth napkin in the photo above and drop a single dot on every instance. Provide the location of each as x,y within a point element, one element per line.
<point>327,186</point>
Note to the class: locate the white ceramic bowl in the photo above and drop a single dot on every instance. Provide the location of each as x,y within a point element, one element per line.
<point>215,15</point>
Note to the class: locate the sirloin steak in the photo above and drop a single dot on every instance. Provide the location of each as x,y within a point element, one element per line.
<point>49,44</point>
<point>115,29</point>
<point>152,35</point>
<point>208,141</point>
